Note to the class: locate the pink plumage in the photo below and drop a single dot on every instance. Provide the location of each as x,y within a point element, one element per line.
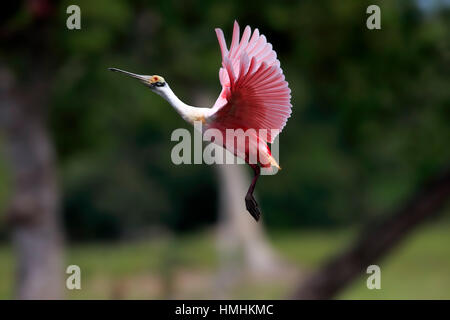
<point>255,94</point>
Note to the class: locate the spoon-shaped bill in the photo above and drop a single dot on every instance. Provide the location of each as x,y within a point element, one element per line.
<point>134,75</point>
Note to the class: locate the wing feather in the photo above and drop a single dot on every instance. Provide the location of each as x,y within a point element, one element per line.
<point>254,93</point>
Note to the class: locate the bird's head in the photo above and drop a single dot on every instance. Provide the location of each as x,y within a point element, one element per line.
<point>155,83</point>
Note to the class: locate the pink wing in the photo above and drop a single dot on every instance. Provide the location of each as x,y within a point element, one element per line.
<point>254,91</point>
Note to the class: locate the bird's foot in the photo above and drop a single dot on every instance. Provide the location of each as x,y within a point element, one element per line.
<point>252,206</point>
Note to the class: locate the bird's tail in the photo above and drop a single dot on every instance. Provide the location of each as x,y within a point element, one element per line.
<point>274,162</point>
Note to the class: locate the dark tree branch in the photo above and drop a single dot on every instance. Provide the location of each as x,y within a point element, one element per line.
<point>376,241</point>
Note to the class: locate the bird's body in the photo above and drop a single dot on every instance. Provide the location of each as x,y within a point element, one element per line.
<point>255,99</point>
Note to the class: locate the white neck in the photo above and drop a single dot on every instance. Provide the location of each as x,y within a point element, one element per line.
<point>187,112</point>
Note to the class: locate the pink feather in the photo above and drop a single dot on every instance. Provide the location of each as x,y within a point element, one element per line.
<point>255,94</point>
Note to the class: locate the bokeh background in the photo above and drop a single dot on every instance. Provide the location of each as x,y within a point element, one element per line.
<point>86,176</point>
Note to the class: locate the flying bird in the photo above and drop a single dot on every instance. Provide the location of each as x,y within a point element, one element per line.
<point>255,95</point>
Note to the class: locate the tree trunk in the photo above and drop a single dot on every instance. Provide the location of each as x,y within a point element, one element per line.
<point>237,226</point>
<point>244,250</point>
<point>376,241</point>
<point>33,211</point>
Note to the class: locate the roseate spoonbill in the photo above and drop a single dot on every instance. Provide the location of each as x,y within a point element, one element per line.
<point>255,95</point>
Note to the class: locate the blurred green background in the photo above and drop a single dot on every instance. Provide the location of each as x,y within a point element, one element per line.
<point>370,123</point>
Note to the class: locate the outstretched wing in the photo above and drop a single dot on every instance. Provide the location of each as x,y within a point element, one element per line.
<point>254,93</point>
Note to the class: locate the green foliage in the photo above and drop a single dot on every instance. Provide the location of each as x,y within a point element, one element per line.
<point>370,109</point>
<point>370,114</point>
<point>418,269</point>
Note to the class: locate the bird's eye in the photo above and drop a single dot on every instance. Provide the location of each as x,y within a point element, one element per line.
<point>156,81</point>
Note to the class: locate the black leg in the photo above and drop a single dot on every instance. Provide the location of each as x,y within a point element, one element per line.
<point>250,202</point>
